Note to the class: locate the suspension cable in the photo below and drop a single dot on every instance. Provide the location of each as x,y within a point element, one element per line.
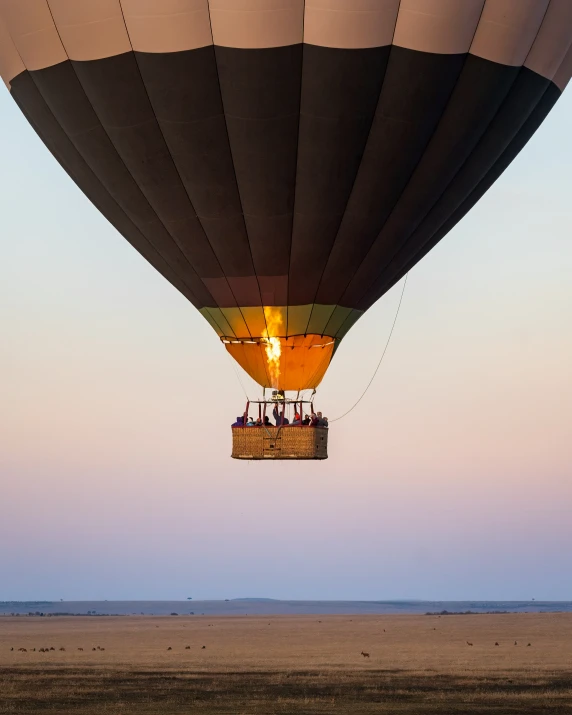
<point>238,376</point>
<point>380,359</point>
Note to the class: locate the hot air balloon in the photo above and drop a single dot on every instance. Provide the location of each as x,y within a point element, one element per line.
<point>283,163</point>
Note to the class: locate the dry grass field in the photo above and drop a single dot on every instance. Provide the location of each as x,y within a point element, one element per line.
<point>285,664</point>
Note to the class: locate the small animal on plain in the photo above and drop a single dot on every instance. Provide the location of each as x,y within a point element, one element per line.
<point>515,643</point>
<point>169,648</point>
<point>203,647</point>
<point>80,648</point>
<point>496,642</point>
<point>52,648</point>
<point>22,650</point>
<point>62,648</point>
<point>94,649</point>
<point>365,655</point>
<point>467,642</point>
<point>528,644</point>
<point>187,647</point>
<point>11,648</point>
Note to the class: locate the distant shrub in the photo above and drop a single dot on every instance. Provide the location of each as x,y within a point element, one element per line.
<point>463,613</point>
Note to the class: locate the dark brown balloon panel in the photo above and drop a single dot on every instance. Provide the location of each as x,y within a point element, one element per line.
<point>304,178</point>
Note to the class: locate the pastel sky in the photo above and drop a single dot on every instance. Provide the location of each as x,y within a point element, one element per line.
<point>451,480</point>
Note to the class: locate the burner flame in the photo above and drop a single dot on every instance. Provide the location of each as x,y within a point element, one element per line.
<point>272,343</point>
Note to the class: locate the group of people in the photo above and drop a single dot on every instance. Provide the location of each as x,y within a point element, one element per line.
<point>259,422</point>
<point>314,419</point>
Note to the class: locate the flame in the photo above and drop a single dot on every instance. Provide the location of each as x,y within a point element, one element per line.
<point>273,344</point>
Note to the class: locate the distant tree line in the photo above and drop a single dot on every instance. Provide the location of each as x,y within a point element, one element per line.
<point>463,613</point>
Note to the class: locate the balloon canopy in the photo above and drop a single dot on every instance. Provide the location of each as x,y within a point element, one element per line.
<point>283,163</point>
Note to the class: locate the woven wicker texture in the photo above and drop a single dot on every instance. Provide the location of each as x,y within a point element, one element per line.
<point>279,442</point>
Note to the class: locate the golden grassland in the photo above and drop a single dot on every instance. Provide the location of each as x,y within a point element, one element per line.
<point>287,664</point>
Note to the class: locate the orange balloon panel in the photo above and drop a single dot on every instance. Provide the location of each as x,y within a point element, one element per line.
<point>297,363</point>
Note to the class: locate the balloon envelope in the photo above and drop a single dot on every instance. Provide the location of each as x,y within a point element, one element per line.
<point>284,164</point>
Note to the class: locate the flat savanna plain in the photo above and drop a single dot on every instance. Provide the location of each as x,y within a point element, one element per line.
<point>286,664</point>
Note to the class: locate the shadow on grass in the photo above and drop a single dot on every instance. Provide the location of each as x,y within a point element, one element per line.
<point>101,691</point>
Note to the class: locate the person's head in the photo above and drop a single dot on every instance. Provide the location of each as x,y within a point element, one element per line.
<point>319,414</point>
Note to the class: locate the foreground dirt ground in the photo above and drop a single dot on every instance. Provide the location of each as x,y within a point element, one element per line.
<point>285,664</point>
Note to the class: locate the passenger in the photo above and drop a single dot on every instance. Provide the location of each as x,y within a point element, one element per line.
<point>278,417</point>
<point>267,422</point>
<point>250,422</point>
<point>297,419</point>
<point>325,421</point>
<point>306,420</point>
<point>314,420</point>
<point>258,422</point>
<point>321,422</point>
<point>239,422</point>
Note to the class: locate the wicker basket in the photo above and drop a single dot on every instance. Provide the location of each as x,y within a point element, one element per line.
<point>288,442</point>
